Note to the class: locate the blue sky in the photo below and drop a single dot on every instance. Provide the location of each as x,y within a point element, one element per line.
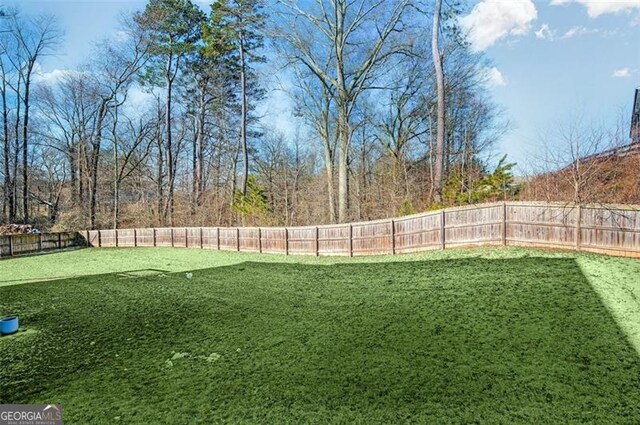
<point>553,59</point>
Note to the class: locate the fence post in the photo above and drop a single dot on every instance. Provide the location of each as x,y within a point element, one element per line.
<point>186,237</point>
<point>172,238</point>
<point>350,240</point>
<point>116,232</point>
<point>393,237</point>
<point>579,227</point>
<point>11,245</point>
<point>59,240</point>
<point>40,241</point>
<point>260,240</point>
<point>88,238</point>
<point>317,241</point>
<point>99,239</point>
<point>201,237</point>
<point>286,241</point>
<point>218,237</point>
<point>504,223</point>
<point>238,239</point>
<point>154,237</point>
<point>135,238</point>
<point>443,229</point>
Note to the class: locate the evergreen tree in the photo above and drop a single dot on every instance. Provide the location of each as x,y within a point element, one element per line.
<point>238,25</point>
<point>174,28</point>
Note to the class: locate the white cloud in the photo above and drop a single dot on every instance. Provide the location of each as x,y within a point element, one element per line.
<point>596,8</point>
<point>545,33</point>
<point>621,73</point>
<point>491,20</point>
<point>495,77</point>
<point>53,76</point>
<point>139,99</point>
<point>579,31</point>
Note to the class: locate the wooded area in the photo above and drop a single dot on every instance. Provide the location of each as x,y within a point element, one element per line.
<point>164,125</point>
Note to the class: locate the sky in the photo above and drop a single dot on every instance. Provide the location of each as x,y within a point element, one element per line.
<point>551,60</point>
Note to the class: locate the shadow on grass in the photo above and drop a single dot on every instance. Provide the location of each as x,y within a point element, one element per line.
<point>42,253</point>
<point>123,274</point>
<point>470,340</point>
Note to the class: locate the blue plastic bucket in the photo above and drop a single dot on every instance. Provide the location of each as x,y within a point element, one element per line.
<point>9,325</point>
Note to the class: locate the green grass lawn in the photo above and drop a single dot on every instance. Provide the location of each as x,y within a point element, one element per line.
<point>461,336</point>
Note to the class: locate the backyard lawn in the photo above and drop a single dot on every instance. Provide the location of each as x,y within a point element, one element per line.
<point>177,336</point>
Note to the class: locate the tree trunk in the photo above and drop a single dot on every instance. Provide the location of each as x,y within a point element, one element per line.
<point>169,145</point>
<point>194,170</point>
<point>116,172</point>
<point>437,61</point>
<point>243,118</point>
<point>343,165</point>
<point>160,181</point>
<point>82,168</point>
<point>14,185</point>
<point>73,174</point>
<point>328,166</point>
<point>234,174</point>
<point>198,155</point>
<point>25,144</point>
<point>8,206</point>
<point>95,160</point>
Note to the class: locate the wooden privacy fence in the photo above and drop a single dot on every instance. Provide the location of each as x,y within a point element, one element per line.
<point>605,229</point>
<point>29,243</point>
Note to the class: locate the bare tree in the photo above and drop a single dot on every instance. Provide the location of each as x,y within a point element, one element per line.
<point>575,164</point>
<point>437,62</point>
<point>131,141</point>
<point>114,71</point>
<point>353,37</point>
<point>33,38</point>
<point>316,103</point>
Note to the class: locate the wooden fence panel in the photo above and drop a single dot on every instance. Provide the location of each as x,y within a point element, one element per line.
<point>249,239</point>
<point>20,244</point>
<point>164,237</point>
<point>5,243</point>
<point>145,237</point>
<point>274,240</point>
<point>610,229</point>
<point>126,238</point>
<point>334,240</point>
<point>417,233</point>
<point>93,238</point>
<point>229,239</point>
<point>210,238</point>
<point>193,237</point>
<point>372,238</point>
<point>474,225</point>
<point>179,237</point>
<point>108,238</point>
<point>541,225</point>
<point>27,243</point>
<point>302,240</point>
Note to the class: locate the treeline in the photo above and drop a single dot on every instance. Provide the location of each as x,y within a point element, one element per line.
<point>169,122</point>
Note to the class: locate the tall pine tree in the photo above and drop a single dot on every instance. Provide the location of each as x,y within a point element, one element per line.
<point>239,25</point>
<point>174,28</point>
